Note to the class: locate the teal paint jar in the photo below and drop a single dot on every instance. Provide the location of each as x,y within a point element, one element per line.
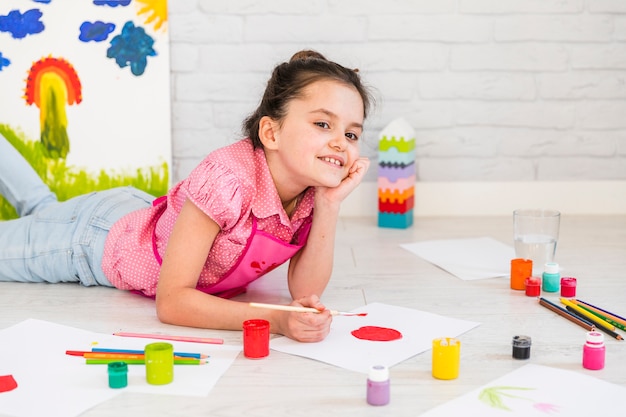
<point>551,277</point>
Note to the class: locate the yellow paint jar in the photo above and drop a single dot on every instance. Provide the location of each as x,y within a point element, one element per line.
<point>446,358</point>
<point>159,363</point>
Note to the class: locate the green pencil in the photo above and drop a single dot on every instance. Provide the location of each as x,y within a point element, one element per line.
<point>600,315</point>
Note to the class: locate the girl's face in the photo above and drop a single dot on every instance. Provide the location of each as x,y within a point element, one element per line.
<point>318,140</point>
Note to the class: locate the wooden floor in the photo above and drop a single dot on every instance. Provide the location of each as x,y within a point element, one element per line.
<point>370,267</point>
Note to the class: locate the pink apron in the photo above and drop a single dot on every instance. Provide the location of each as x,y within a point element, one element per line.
<point>262,253</point>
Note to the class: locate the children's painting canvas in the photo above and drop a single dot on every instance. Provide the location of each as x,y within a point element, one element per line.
<point>85,92</point>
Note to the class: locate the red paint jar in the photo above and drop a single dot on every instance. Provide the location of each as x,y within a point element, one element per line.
<point>256,338</point>
<point>533,286</point>
<point>568,287</point>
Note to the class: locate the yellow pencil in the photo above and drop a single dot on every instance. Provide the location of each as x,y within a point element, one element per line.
<point>587,314</point>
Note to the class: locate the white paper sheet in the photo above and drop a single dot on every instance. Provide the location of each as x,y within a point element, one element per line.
<point>342,349</point>
<point>51,383</point>
<point>535,390</point>
<point>468,259</point>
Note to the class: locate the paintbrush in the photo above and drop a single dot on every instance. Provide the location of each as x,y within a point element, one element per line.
<point>304,309</point>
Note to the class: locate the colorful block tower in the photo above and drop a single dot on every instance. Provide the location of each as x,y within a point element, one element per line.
<point>396,175</point>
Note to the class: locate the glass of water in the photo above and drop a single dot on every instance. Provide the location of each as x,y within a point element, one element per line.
<point>536,232</point>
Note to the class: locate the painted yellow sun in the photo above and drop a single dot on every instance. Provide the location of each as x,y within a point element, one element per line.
<point>156,10</point>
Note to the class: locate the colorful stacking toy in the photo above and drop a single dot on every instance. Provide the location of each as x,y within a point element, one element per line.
<point>396,175</point>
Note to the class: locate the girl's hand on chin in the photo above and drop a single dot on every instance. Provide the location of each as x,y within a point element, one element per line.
<point>356,173</point>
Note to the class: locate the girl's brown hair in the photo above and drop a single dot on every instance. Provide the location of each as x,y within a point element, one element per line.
<point>289,79</point>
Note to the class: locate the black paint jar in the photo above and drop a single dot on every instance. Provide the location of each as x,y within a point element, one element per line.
<point>521,347</point>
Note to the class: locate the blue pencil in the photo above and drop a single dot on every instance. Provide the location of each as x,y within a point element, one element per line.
<point>141,352</point>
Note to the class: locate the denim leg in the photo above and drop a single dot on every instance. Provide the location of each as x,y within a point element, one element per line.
<point>19,183</point>
<point>64,241</point>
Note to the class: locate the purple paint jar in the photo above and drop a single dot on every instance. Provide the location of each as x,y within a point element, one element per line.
<point>378,385</point>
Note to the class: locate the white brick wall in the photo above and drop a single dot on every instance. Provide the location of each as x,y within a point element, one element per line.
<point>497,90</point>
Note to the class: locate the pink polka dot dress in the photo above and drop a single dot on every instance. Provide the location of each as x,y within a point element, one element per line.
<point>231,185</point>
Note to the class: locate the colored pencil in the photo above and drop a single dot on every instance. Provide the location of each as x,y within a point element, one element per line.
<point>304,309</point>
<point>172,338</point>
<point>588,315</point>
<point>613,316</point>
<point>603,316</point>
<point>141,352</point>
<point>187,361</point>
<point>565,314</point>
<point>598,325</point>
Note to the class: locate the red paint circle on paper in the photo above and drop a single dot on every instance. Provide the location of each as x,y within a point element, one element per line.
<point>377,334</point>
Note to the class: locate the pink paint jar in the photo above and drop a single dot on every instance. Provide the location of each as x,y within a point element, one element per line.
<point>594,351</point>
<point>568,287</point>
<point>533,286</point>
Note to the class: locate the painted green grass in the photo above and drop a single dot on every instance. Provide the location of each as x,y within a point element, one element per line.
<point>67,181</point>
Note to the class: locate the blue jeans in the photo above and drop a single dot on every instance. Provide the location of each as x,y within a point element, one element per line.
<point>56,241</point>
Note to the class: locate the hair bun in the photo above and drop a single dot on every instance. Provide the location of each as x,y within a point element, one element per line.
<point>307,54</point>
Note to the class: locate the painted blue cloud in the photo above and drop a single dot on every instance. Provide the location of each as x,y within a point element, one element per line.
<point>4,62</point>
<point>111,3</point>
<point>21,25</point>
<point>132,47</point>
<point>96,31</point>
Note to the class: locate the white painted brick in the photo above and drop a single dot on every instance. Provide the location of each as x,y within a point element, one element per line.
<point>430,28</point>
<point>621,144</point>
<point>199,28</point>
<point>554,28</point>
<point>192,116</point>
<point>583,85</point>
<point>240,58</point>
<point>607,6</point>
<point>175,8</point>
<point>520,6</point>
<point>184,57</point>
<point>600,57</point>
<point>560,169</point>
<point>458,142</point>
<point>428,115</point>
<point>252,7</point>
<point>601,115</point>
<point>389,56</point>
<point>483,86</point>
<point>516,114</point>
<point>217,87</point>
<point>559,143</point>
<point>311,28</point>
<point>230,115</point>
<point>620,28</point>
<point>396,84</point>
<point>515,57</point>
<point>397,7</point>
<point>475,169</point>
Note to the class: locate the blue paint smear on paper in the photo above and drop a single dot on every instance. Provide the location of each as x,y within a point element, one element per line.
<point>42,1</point>
<point>4,62</point>
<point>132,47</point>
<point>111,3</point>
<point>21,25</point>
<point>96,31</point>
